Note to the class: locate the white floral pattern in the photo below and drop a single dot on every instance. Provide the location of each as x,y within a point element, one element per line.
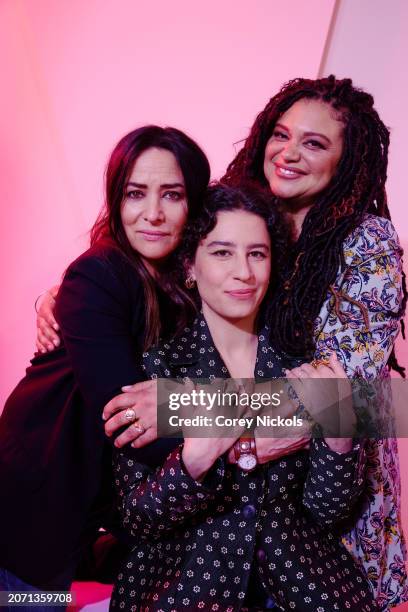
<point>205,545</point>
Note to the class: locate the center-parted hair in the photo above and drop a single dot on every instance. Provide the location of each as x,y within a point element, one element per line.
<point>195,169</point>
<point>357,188</point>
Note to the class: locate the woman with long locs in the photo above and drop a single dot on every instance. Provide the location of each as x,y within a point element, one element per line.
<point>322,148</point>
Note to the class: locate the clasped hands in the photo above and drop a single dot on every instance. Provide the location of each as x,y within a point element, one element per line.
<point>141,399</point>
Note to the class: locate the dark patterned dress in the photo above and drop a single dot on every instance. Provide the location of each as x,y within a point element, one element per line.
<point>236,541</point>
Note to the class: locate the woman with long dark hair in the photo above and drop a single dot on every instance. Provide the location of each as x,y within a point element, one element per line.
<point>55,459</point>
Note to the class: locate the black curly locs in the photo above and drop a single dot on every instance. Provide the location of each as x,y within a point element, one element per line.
<point>357,188</point>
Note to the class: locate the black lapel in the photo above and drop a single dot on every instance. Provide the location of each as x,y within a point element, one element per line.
<point>193,353</point>
<point>269,364</point>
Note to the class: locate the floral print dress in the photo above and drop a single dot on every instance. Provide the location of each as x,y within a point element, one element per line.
<point>360,320</point>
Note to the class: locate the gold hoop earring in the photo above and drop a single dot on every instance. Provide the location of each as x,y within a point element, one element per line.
<point>190,282</point>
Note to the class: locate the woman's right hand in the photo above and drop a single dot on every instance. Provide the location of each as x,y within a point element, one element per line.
<point>141,398</point>
<point>47,327</point>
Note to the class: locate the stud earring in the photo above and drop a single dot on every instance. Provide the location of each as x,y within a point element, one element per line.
<point>190,282</point>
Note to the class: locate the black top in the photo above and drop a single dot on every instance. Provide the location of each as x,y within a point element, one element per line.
<point>55,472</point>
<point>197,544</point>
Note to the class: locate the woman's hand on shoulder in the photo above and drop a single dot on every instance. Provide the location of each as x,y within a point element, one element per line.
<point>47,327</point>
<point>136,407</point>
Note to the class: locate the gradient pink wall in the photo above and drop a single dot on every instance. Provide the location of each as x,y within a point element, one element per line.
<point>77,75</point>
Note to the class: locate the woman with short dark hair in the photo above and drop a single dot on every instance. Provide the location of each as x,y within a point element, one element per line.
<point>208,535</point>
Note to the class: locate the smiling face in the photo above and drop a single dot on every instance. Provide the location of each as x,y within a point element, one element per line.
<point>154,209</point>
<point>232,266</point>
<point>303,152</point>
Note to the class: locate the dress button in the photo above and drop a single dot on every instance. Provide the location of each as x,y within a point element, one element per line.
<point>270,603</point>
<point>261,555</point>
<point>249,511</point>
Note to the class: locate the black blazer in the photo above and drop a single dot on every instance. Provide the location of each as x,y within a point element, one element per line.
<point>196,545</point>
<point>55,463</point>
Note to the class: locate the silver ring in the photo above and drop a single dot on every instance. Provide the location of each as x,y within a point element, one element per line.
<point>130,414</point>
<point>139,428</point>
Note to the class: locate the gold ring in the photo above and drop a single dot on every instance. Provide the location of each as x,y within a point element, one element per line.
<point>139,428</point>
<point>130,415</point>
<point>319,362</point>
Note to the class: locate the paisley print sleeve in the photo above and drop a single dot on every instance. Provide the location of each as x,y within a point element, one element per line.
<point>360,319</point>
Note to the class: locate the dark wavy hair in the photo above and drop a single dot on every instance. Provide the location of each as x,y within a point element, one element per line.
<point>108,227</point>
<point>357,188</point>
<point>221,197</point>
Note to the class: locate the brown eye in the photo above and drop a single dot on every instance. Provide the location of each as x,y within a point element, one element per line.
<point>135,194</point>
<point>258,254</point>
<point>175,196</point>
<point>279,134</point>
<point>315,144</point>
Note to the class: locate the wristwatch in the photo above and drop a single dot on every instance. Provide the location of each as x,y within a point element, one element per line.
<point>245,454</point>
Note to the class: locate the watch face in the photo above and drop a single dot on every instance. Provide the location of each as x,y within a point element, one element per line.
<point>247,462</point>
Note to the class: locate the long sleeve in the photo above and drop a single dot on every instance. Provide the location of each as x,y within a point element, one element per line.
<point>360,320</point>
<point>334,481</point>
<point>100,309</point>
<point>157,500</point>
<point>373,278</point>
<point>52,436</point>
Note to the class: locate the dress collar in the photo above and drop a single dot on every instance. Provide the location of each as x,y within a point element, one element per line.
<point>193,353</point>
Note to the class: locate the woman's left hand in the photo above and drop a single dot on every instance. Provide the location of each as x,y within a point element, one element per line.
<point>47,327</point>
<point>327,395</point>
<point>137,408</point>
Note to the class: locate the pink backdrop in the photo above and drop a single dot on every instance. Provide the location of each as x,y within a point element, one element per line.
<point>78,75</point>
